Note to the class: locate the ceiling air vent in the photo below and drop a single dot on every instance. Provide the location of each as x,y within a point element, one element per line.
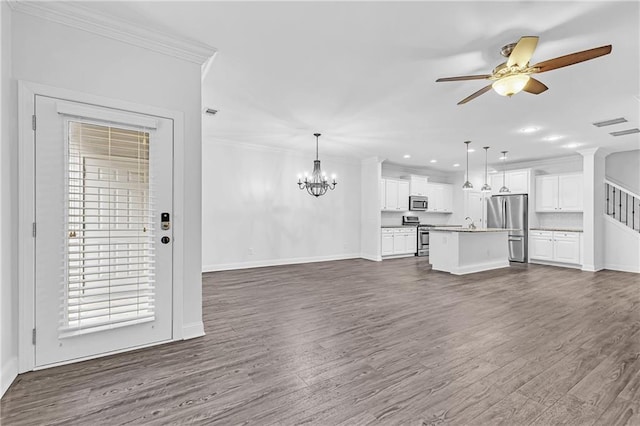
<point>610,122</point>
<point>625,132</point>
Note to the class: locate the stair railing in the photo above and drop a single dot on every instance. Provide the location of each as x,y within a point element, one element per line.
<point>622,205</point>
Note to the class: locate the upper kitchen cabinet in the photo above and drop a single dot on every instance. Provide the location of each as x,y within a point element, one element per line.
<point>440,197</point>
<point>516,180</point>
<point>418,185</point>
<point>559,193</point>
<point>395,194</point>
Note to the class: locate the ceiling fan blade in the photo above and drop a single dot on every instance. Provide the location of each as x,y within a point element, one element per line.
<point>573,58</point>
<point>521,54</point>
<point>465,77</point>
<point>534,86</point>
<point>485,89</point>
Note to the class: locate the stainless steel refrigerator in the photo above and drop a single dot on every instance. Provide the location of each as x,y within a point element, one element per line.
<point>510,211</point>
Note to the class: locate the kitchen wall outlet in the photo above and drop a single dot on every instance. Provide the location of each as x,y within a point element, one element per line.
<point>250,251</point>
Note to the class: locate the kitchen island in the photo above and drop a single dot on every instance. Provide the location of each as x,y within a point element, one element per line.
<point>464,250</point>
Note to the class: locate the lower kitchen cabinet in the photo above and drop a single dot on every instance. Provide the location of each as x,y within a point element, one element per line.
<point>398,241</point>
<point>555,246</point>
<point>387,241</point>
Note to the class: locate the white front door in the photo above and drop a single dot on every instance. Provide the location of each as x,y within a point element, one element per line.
<point>103,262</point>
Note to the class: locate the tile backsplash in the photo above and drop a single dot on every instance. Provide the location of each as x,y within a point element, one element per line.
<point>395,218</point>
<point>559,220</point>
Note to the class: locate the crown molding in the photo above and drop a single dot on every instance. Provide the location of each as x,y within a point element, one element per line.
<point>75,15</point>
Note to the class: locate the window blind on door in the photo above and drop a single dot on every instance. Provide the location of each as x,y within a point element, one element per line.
<point>109,257</point>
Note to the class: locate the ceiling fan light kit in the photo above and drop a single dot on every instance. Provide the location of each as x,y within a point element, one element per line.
<point>514,75</point>
<point>511,84</point>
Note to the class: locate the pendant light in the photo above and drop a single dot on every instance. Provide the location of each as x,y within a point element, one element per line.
<point>467,185</point>
<point>318,183</point>
<point>504,172</point>
<point>486,187</point>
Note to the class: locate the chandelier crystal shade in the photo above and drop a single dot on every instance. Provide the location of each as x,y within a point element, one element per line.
<point>317,184</point>
<point>467,185</point>
<point>504,188</point>
<point>486,187</point>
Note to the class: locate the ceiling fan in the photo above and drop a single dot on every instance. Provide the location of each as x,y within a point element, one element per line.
<point>514,76</point>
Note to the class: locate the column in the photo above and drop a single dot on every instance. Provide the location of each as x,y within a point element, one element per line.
<point>594,206</point>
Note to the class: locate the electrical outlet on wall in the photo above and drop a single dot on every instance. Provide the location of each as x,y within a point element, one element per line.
<point>250,251</point>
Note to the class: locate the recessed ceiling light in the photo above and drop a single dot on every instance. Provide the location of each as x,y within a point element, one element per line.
<point>456,165</point>
<point>610,122</point>
<point>406,156</point>
<point>552,138</point>
<point>572,145</point>
<point>471,150</point>
<point>433,161</point>
<point>529,129</point>
<point>625,132</point>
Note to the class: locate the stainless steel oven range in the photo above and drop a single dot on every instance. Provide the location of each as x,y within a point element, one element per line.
<point>423,240</point>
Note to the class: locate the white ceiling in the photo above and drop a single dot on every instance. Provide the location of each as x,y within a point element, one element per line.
<point>363,74</point>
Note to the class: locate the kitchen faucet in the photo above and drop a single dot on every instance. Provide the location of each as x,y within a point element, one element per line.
<point>471,225</point>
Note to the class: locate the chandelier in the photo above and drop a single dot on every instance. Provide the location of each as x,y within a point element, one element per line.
<point>318,183</point>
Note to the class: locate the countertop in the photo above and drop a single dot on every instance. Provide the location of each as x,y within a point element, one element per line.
<point>443,229</point>
<point>559,229</point>
<point>415,226</point>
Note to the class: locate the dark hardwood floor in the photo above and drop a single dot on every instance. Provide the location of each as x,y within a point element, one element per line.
<point>358,342</point>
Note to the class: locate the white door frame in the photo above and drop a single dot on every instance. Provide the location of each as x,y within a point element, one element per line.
<point>26,199</point>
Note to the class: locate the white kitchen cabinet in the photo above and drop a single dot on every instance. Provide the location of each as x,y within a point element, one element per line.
<point>566,247</point>
<point>387,242</point>
<point>398,241</point>
<point>412,242</point>
<point>519,181</point>
<point>440,197</point>
<point>516,180</point>
<point>559,193</point>
<point>403,195</point>
<point>396,194</point>
<point>391,194</point>
<point>495,180</point>
<point>546,193</point>
<point>570,192</point>
<point>541,245</point>
<point>555,246</point>
<point>418,185</point>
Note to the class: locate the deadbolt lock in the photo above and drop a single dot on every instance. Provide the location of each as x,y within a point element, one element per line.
<point>165,221</point>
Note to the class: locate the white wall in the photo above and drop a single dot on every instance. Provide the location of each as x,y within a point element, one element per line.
<point>621,247</point>
<point>8,209</point>
<point>61,56</point>
<point>371,172</point>
<point>255,215</point>
<point>623,168</point>
<point>394,170</point>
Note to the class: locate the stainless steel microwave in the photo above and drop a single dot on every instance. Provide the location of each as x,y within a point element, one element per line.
<point>418,203</point>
